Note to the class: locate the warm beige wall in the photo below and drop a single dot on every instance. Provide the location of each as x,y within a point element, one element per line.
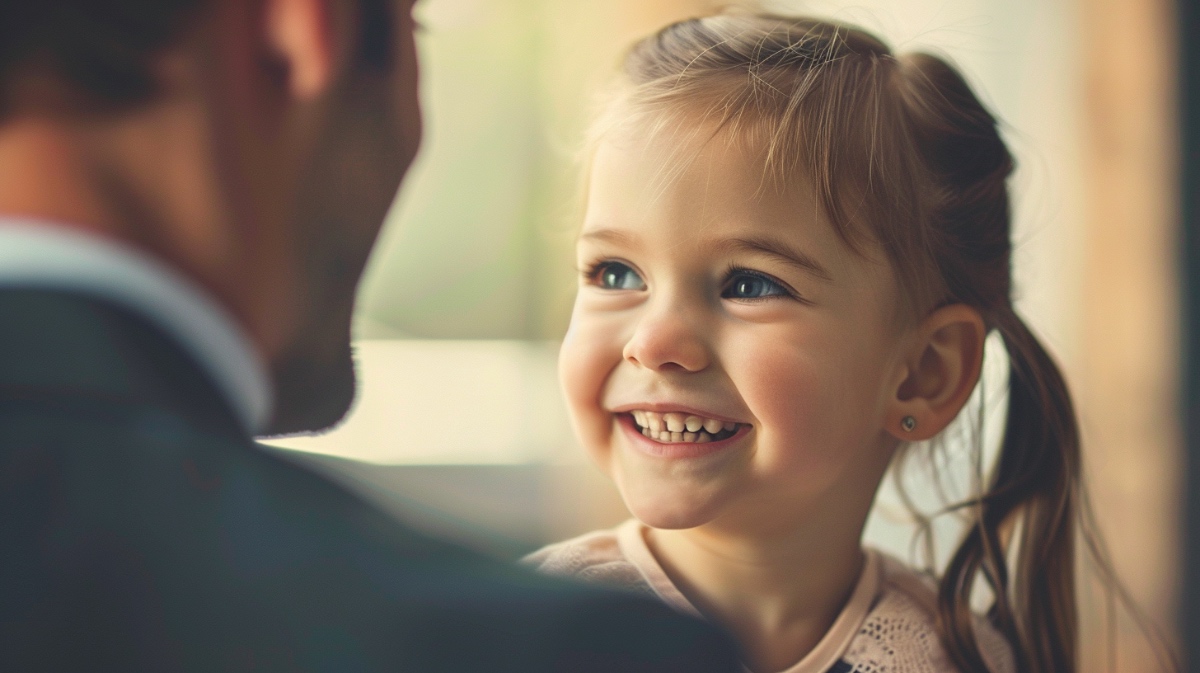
<point>1128,379</point>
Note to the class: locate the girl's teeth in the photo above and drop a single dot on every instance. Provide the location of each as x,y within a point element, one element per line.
<point>678,427</point>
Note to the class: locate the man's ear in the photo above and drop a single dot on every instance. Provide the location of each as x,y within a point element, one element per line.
<point>302,37</point>
<point>942,369</point>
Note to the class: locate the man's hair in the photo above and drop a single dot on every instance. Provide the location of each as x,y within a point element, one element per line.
<point>102,49</point>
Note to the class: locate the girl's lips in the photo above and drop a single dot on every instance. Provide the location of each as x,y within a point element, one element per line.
<point>675,450</point>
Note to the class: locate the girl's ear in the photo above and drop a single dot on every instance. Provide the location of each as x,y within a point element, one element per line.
<point>942,369</point>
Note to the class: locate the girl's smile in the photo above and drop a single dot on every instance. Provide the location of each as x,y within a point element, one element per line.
<point>678,435</point>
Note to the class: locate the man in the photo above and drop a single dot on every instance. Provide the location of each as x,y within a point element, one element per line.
<point>188,193</point>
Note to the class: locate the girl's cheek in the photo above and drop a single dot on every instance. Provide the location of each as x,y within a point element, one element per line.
<point>803,398</point>
<point>586,359</point>
<point>783,392</point>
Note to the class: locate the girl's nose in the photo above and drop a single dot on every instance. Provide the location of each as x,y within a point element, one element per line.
<point>666,340</point>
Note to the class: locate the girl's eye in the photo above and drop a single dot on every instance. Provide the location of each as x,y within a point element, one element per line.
<point>744,285</point>
<point>617,276</point>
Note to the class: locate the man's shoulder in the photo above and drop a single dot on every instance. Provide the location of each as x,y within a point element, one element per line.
<point>245,554</point>
<point>469,610</point>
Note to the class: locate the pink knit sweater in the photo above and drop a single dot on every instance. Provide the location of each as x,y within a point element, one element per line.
<point>887,626</point>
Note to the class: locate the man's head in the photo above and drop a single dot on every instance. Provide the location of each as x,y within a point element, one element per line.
<point>255,145</point>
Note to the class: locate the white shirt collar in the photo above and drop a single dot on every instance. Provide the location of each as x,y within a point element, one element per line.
<point>47,256</point>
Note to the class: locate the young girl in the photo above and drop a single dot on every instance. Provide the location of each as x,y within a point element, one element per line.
<point>795,244</point>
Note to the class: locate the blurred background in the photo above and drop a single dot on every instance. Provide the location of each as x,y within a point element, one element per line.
<point>459,426</point>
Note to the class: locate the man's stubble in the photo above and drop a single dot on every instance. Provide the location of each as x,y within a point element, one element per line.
<point>345,196</point>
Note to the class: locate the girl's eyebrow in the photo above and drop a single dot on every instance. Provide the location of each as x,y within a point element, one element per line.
<point>779,250</point>
<point>614,236</point>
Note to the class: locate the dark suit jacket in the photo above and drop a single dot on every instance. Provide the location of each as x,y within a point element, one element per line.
<point>140,529</point>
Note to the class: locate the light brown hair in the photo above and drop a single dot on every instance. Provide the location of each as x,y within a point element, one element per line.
<point>899,149</point>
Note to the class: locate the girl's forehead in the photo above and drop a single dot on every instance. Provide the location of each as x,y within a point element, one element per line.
<point>693,181</point>
<point>694,167</point>
<point>650,184</point>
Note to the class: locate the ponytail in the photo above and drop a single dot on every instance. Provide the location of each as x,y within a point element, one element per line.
<point>1035,509</point>
<point>1033,497</point>
<point>1028,512</point>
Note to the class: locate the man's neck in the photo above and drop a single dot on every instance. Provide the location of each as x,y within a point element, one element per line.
<point>43,175</point>
<point>147,185</point>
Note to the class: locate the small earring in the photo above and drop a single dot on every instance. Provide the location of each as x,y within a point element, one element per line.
<point>908,423</point>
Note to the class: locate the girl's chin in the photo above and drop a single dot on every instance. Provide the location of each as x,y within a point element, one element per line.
<point>673,494</point>
<point>666,508</point>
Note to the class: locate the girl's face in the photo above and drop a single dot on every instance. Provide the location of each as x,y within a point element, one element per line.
<point>729,357</point>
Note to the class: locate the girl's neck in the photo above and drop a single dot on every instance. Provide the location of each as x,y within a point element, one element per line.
<point>778,594</point>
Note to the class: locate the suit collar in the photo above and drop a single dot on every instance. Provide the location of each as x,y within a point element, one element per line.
<point>45,256</point>
<point>63,349</point>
